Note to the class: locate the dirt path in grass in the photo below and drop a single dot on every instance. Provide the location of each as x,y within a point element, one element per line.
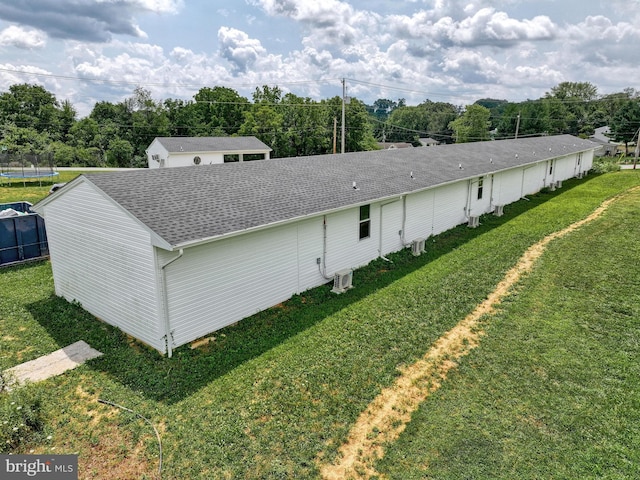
<point>387,416</point>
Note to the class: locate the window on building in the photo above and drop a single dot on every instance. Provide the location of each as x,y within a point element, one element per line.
<point>480,187</point>
<point>231,157</point>
<point>365,221</point>
<point>248,157</point>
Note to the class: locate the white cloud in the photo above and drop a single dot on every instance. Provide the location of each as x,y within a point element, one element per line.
<point>451,49</point>
<point>486,27</point>
<point>159,6</point>
<point>20,37</point>
<point>240,50</point>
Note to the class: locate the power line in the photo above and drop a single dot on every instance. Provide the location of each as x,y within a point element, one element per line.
<point>161,84</point>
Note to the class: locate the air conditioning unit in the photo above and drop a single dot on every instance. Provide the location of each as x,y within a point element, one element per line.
<point>559,184</point>
<point>552,186</point>
<point>417,247</point>
<point>473,222</point>
<point>342,281</point>
<point>579,175</point>
<point>498,210</point>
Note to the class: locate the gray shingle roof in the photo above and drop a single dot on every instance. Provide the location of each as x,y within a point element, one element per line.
<point>211,144</point>
<point>189,204</point>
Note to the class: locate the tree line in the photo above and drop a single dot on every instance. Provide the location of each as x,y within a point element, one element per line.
<point>32,120</point>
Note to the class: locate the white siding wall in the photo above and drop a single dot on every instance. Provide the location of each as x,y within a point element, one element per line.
<point>419,216</point>
<point>566,167</point>
<point>104,260</point>
<point>310,234</point>
<point>206,158</point>
<point>507,186</point>
<point>449,206</point>
<point>186,159</point>
<point>344,247</point>
<point>480,206</point>
<point>217,284</point>
<point>533,178</point>
<point>155,149</point>
<point>587,161</point>
<point>391,226</point>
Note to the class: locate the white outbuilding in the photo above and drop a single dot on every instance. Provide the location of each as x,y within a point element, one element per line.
<point>171,255</point>
<point>194,151</point>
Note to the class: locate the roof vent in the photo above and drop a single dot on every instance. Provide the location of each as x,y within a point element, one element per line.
<point>355,187</point>
<point>412,175</point>
<point>197,160</point>
<point>460,166</point>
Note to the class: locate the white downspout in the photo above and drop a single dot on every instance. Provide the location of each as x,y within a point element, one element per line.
<point>491,206</point>
<point>323,268</point>
<point>404,221</point>
<point>467,208</point>
<point>165,302</point>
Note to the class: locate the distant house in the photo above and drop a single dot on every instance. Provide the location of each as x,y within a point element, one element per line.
<point>171,255</point>
<point>393,145</point>
<point>429,142</point>
<point>608,148</point>
<point>188,151</point>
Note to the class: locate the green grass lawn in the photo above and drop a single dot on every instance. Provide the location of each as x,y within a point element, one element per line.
<point>550,393</point>
<point>32,190</point>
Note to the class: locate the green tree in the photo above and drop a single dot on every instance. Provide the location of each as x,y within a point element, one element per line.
<point>120,153</point>
<point>379,113</point>
<point>66,119</point>
<point>83,133</point>
<point>148,120</point>
<point>183,118</point>
<point>304,127</point>
<point>580,100</point>
<point>496,107</point>
<point>30,106</point>
<point>25,140</point>
<point>472,125</point>
<point>428,119</point>
<point>265,123</point>
<point>219,110</point>
<point>625,124</point>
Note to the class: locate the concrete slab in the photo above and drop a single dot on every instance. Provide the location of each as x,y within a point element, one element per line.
<point>51,365</point>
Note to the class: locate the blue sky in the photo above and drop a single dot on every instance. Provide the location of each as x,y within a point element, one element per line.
<point>86,51</point>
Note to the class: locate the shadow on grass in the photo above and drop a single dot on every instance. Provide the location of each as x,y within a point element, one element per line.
<point>142,369</point>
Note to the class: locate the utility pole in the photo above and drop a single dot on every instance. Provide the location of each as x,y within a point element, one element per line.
<point>335,125</point>
<point>344,94</point>
<point>517,125</point>
<point>637,150</point>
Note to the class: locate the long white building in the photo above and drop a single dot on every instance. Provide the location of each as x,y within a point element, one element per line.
<point>170,255</point>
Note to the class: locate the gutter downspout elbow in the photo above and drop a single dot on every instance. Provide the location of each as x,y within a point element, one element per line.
<point>165,302</point>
